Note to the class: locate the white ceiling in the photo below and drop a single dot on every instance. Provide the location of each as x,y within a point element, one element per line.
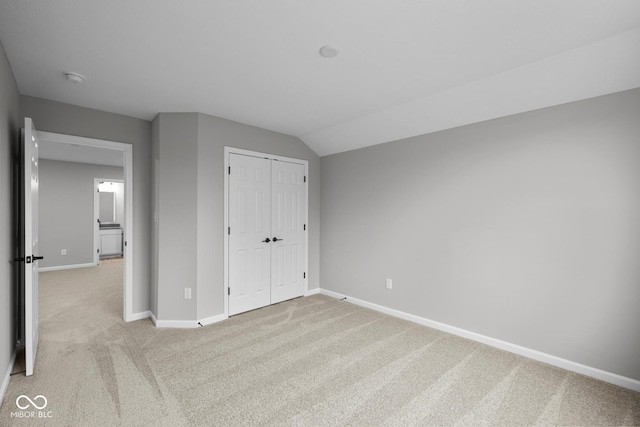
<point>406,67</point>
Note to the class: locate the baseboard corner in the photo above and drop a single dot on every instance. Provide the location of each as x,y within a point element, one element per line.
<point>314,291</point>
<point>212,319</point>
<point>139,316</point>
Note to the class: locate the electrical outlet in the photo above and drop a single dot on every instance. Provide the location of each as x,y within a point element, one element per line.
<point>187,293</point>
<point>63,251</point>
<point>389,284</point>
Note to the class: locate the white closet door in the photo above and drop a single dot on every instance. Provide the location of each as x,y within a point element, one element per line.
<point>249,222</point>
<point>287,228</point>
<point>31,185</point>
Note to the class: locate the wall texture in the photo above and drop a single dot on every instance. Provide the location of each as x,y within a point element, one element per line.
<point>188,153</point>
<point>9,136</point>
<point>175,190</point>
<point>523,229</point>
<point>66,210</point>
<point>73,120</point>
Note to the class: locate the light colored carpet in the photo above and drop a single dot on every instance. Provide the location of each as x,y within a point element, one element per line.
<point>307,362</point>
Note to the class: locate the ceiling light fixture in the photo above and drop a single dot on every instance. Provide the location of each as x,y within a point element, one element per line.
<point>74,77</point>
<point>328,51</point>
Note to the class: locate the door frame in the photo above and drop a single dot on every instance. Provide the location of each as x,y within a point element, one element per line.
<point>127,152</point>
<point>232,150</point>
<point>96,215</point>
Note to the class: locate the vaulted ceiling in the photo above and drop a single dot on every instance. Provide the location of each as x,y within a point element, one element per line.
<point>404,68</point>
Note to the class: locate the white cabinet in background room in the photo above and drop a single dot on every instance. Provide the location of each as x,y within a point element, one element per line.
<point>110,242</point>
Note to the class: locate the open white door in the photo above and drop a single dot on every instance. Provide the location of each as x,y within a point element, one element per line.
<point>30,149</point>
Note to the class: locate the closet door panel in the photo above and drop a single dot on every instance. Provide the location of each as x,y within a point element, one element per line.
<point>249,223</point>
<point>287,226</point>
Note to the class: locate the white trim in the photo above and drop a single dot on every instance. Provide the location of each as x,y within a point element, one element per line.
<point>65,267</point>
<point>181,324</point>
<point>7,376</point>
<point>225,268</point>
<point>232,150</point>
<point>96,217</point>
<point>140,316</point>
<point>589,371</point>
<point>310,292</point>
<point>187,324</point>
<point>214,319</point>
<point>127,152</point>
<point>129,244</point>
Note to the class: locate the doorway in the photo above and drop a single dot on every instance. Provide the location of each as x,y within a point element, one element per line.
<point>108,219</point>
<point>73,148</point>
<point>266,216</point>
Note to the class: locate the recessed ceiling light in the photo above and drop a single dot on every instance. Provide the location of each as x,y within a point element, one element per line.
<point>328,51</point>
<point>74,77</point>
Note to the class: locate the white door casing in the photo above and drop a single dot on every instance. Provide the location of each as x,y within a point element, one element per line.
<point>265,200</point>
<point>31,184</point>
<point>129,243</point>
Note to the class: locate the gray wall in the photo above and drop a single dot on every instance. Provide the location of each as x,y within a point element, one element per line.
<point>189,198</point>
<point>9,136</point>
<point>66,210</point>
<point>72,120</point>
<point>177,204</point>
<point>523,228</point>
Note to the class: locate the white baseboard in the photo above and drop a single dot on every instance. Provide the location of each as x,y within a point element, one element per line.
<point>65,267</point>
<point>7,376</point>
<point>188,324</point>
<point>202,322</point>
<point>183,324</point>
<point>589,371</point>
<point>214,319</point>
<point>139,316</point>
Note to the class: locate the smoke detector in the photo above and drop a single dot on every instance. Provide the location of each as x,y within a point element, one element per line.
<point>74,77</point>
<point>328,51</point>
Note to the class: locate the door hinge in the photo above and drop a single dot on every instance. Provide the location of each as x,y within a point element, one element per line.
<point>98,251</point>
<point>229,170</point>
<point>304,275</point>
<point>305,227</point>
<point>305,178</point>
<point>125,243</point>
<point>229,291</point>
<point>229,230</point>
